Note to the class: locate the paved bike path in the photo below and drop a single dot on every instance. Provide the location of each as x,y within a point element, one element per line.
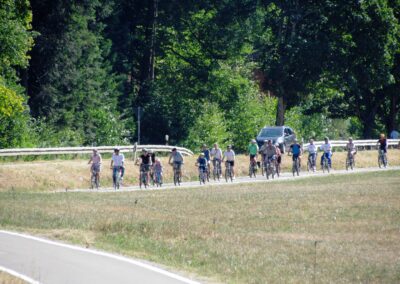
<point>51,262</point>
<point>241,180</point>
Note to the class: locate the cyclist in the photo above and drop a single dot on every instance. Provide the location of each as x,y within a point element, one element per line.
<point>216,155</point>
<point>278,155</point>
<point>202,163</point>
<point>153,161</point>
<point>158,169</point>
<point>351,148</point>
<point>177,160</point>
<point>253,151</point>
<point>229,154</point>
<point>145,163</point>
<point>312,153</point>
<point>96,160</point>
<point>382,142</point>
<point>327,149</point>
<point>206,153</point>
<point>117,163</point>
<point>268,151</point>
<point>296,150</point>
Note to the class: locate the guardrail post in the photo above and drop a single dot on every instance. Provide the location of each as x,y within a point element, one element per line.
<point>134,151</point>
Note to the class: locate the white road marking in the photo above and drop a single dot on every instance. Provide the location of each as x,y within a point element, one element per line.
<point>105,254</point>
<point>18,275</point>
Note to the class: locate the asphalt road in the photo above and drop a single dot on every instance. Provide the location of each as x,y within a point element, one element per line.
<point>55,263</point>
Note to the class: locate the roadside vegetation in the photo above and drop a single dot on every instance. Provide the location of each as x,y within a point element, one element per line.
<point>53,175</point>
<point>325,229</point>
<point>6,278</point>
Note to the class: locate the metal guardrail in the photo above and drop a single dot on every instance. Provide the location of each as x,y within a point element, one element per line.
<point>87,150</point>
<point>360,144</point>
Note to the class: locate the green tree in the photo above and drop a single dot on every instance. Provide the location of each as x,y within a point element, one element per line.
<point>16,40</point>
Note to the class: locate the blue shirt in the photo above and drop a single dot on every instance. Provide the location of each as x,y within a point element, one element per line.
<point>295,149</point>
<point>202,162</point>
<point>206,154</point>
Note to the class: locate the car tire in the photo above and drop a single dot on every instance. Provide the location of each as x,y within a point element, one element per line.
<point>282,148</point>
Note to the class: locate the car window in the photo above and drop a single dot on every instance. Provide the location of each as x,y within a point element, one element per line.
<point>271,132</point>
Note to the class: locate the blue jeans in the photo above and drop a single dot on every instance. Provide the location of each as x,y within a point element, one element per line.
<point>116,169</point>
<point>327,156</point>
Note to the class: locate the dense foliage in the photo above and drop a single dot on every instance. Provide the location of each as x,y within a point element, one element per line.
<point>75,72</point>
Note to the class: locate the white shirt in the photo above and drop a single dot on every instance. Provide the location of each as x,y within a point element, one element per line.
<point>216,153</point>
<point>326,147</point>
<point>312,148</point>
<point>118,160</point>
<point>230,155</point>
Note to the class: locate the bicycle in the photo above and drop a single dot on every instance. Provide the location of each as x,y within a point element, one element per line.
<point>143,178</point>
<point>94,179</point>
<point>296,166</point>
<point>177,174</point>
<point>202,175</point>
<point>325,164</point>
<point>158,179</point>
<point>252,168</point>
<point>228,172</point>
<point>217,169</point>
<point>269,168</point>
<point>350,162</point>
<point>382,159</point>
<point>311,161</point>
<point>117,171</point>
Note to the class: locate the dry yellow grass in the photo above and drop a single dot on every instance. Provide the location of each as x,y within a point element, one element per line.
<point>70,174</point>
<point>6,278</point>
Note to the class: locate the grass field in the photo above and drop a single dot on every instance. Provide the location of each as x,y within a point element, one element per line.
<point>337,228</point>
<point>6,278</point>
<point>61,174</point>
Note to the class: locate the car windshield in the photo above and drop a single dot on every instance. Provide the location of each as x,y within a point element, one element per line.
<point>271,132</point>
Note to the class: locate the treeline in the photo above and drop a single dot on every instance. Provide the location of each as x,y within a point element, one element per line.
<point>75,72</point>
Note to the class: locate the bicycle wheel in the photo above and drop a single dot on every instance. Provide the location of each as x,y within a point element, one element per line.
<point>92,181</point>
<point>226,175</point>
<point>297,167</point>
<point>97,179</point>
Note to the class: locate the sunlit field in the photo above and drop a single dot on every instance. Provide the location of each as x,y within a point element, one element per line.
<point>331,229</point>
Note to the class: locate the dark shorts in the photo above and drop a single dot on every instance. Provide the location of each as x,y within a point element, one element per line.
<point>231,162</point>
<point>252,157</point>
<point>96,168</point>
<point>145,167</point>
<point>279,159</point>
<point>295,156</point>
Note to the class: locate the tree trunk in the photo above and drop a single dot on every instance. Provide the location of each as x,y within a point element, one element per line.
<point>368,121</point>
<point>394,110</point>
<point>280,113</point>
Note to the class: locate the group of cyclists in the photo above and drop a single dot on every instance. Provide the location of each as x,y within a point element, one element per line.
<point>152,169</point>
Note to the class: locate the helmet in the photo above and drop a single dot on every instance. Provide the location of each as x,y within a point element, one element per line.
<point>253,140</point>
<point>326,138</point>
<point>266,141</point>
<point>173,150</point>
<point>351,138</point>
<point>150,151</point>
<point>229,146</point>
<point>116,149</point>
<point>382,135</point>
<point>204,145</point>
<point>144,150</point>
<point>201,154</point>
